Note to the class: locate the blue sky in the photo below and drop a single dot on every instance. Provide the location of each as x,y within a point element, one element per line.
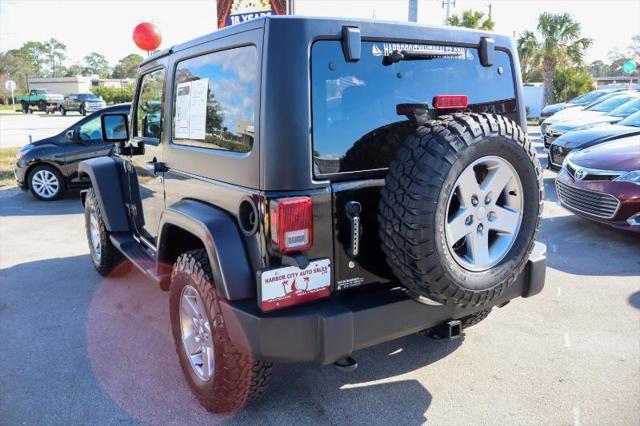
<point>106,26</point>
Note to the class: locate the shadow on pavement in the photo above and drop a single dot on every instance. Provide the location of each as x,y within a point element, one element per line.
<point>634,300</point>
<point>584,247</point>
<point>14,202</point>
<point>108,349</point>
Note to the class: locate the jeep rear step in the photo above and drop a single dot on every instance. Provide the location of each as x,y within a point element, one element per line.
<point>334,328</point>
<point>138,255</point>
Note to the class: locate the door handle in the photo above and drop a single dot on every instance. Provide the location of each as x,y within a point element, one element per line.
<point>154,166</point>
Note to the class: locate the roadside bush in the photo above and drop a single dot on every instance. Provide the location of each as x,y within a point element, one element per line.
<point>112,95</point>
<point>570,82</point>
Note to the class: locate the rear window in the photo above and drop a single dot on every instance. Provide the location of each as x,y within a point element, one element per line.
<point>355,125</point>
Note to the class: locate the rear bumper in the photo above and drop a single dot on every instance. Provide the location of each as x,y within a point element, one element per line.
<point>334,328</point>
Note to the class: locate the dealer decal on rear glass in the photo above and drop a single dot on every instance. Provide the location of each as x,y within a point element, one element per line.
<point>385,49</point>
<point>291,285</point>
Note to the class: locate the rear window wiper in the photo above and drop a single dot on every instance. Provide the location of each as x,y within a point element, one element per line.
<point>412,55</point>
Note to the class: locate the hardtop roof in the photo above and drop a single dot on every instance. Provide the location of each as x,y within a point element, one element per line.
<point>385,29</point>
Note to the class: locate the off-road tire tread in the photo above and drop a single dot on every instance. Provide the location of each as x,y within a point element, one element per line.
<point>110,256</point>
<point>412,189</point>
<point>239,379</point>
<point>474,319</point>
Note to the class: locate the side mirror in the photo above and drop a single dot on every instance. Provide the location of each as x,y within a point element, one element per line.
<point>69,135</point>
<point>115,127</point>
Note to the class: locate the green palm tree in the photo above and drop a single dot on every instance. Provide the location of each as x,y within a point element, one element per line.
<point>529,53</point>
<point>472,19</point>
<point>560,44</point>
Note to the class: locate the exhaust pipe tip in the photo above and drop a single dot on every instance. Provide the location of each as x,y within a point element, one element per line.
<point>346,364</point>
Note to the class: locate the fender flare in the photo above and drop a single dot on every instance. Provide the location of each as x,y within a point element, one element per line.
<point>108,182</point>
<point>220,236</point>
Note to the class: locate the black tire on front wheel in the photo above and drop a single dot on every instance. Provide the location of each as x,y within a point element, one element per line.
<point>25,107</point>
<point>83,111</point>
<point>237,378</point>
<point>414,205</point>
<point>109,257</point>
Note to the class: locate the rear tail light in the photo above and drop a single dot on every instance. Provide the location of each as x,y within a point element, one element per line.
<point>291,222</point>
<point>450,102</point>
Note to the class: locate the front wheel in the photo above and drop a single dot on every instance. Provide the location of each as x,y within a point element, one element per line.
<point>25,107</point>
<point>83,111</point>
<point>104,255</point>
<point>221,376</point>
<point>42,106</point>
<point>46,183</point>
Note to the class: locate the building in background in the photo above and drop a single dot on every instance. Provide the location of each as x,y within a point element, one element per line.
<point>78,84</point>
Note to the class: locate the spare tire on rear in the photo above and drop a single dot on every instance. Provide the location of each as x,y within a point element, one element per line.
<point>460,208</point>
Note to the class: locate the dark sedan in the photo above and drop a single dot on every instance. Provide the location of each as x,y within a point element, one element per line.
<point>594,135</point>
<point>602,183</point>
<point>49,166</point>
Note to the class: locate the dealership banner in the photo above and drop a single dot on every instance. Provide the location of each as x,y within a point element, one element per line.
<point>232,12</point>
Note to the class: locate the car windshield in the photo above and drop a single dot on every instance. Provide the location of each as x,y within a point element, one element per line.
<point>609,104</point>
<point>632,120</point>
<point>626,109</point>
<point>587,98</point>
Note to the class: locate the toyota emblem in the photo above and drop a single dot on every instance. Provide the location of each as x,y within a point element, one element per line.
<point>580,174</point>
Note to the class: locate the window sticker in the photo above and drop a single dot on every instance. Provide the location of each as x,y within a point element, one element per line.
<point>191,109</point>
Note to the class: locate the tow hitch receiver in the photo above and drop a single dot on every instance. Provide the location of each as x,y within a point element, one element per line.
<point>447,330</point>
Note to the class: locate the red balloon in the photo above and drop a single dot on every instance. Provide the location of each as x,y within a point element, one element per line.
<point>147,36</point>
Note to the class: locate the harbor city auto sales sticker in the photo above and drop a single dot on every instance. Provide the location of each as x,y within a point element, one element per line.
<point>291,285</point>
<point>385,49</point>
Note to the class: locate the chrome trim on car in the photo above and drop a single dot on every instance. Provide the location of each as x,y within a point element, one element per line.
<point>592,172</point>
<point>592,203</point>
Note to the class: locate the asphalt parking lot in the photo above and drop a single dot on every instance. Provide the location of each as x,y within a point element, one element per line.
<point>79,348</point>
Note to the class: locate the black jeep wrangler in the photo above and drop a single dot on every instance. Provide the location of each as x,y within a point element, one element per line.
<point>305,188</point>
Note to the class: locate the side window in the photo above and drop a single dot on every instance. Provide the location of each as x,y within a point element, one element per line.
<point>91,131</point>
<point>214,97</point>
<point>149,106</point>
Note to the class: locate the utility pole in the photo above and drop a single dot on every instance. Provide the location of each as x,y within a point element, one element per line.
<point>489,6</point>
<point>446,5</point>
<point>413,10</point>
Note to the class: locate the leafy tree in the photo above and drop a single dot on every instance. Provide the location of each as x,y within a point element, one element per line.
<point>74,70</point>
<point>634,48</point>
<point>14,68</point>
<point>55,53</point>
<point>570,82</point>
<point>530,59</point>
<point>560,45</point>
<point>112,95</point>
<point>34,54</point>
<point>127,67</point>
<point>97,64</point>
<point>472,19</point>
<point>599,69</point>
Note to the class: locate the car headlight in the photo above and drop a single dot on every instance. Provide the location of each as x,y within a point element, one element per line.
<point>633,177</point>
